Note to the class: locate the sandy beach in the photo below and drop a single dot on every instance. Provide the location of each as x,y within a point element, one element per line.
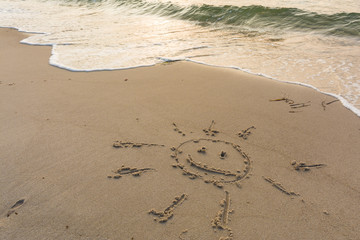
<point>174,151</point>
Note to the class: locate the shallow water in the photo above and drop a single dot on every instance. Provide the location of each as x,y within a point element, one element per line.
<point>311,42</point>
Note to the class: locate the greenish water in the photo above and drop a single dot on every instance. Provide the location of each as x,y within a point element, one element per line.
<point>256,17</point>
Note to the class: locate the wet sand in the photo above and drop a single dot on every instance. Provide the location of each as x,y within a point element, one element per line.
<point>174,151</point>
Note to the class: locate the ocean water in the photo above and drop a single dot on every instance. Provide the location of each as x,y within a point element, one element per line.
<point>310,42</point>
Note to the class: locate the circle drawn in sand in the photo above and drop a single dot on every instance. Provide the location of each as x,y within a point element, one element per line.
<point>214,161</point>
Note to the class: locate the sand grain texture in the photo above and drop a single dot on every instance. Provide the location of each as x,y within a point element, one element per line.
<point>58,129</point>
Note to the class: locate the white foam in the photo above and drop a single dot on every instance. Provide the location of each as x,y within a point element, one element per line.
<point>54,62</point>
<point>102,38</point>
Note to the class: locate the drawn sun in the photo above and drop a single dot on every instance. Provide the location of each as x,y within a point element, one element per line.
<point>211,160</point>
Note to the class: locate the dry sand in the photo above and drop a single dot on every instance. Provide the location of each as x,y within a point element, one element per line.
<point>174,151</point>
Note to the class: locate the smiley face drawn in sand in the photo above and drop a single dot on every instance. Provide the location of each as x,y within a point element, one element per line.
<point>214,161</point>
<point>211,160</point>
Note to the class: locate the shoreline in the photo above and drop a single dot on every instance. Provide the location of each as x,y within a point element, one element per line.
<point>149,153</point>
<point>344,102</point>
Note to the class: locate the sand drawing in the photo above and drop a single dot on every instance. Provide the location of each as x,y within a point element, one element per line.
<point>164,216</point>
<point>300,105</point>
<point>238,161</point>
<point>210,131</point>
<point>181,235</point>
<point>202,149</point>
<point>16,206</point>
<point>208,169</point>
<point>324,103</point>
<point>129,171</point>
<point>292,104</point>
<point>211,160</point>
<point>245,133</point>
<point>287,100</point>
<point>221,219</point>
<point>214,161</point>
<point>176,129</point>
<point>278,186</point>
<point>120,144</point>
<point>301,166</point>
<point>223,155</point>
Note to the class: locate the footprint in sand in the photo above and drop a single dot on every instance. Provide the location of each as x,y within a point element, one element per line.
<point>16,206</point>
